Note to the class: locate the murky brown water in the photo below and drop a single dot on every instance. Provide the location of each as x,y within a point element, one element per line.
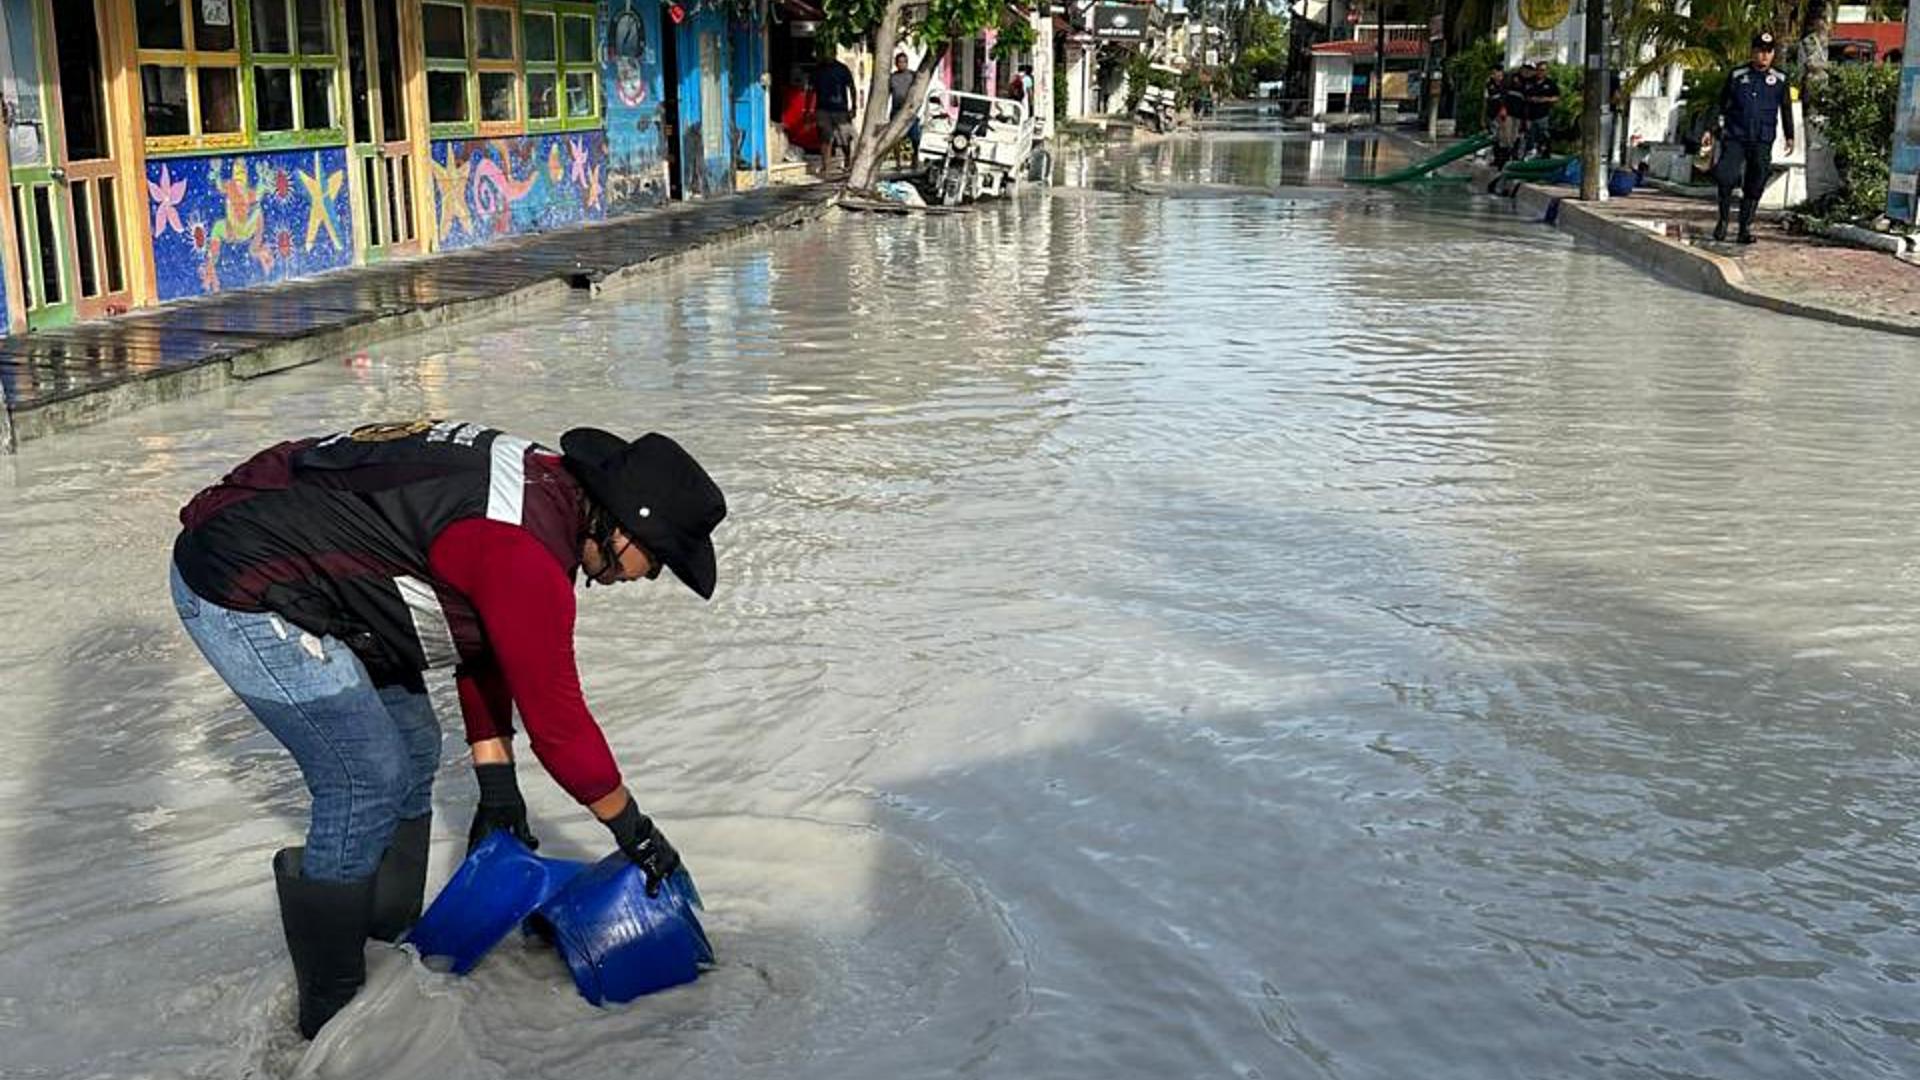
<point>1201,622</point>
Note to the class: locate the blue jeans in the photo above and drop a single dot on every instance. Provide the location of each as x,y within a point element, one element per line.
<point>368,754</point>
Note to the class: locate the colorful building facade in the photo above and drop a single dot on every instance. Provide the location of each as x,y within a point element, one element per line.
<point>162,149</point>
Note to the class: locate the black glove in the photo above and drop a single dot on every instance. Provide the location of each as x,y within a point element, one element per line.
<point>501,807</point>
<point>644,844</point>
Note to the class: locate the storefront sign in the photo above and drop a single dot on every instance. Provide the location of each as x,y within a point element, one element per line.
<point>1120,22</point>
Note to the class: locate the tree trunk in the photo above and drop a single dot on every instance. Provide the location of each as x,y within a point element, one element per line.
<point>1813,52</point>
<point>866,148</point>
<point>1593,102</point>
<point>878,133</point>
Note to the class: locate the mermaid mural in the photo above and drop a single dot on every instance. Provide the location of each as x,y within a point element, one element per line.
<point>490,188</point>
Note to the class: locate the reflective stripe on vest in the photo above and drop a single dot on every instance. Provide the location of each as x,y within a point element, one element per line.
<point>430,626</point>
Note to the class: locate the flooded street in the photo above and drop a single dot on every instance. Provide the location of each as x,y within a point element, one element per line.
<point>1194,621</point>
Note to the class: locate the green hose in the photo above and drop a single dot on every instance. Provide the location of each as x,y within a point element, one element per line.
<point>1421,168</point>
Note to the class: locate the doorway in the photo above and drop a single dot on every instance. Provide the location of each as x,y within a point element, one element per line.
<point>670,108</point>
<point>91,175</point>
<point>380,147</point>
<point>35,178</point>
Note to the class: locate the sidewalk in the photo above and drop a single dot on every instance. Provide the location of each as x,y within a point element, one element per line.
<point>54,380</point>
<point>1671,235</point>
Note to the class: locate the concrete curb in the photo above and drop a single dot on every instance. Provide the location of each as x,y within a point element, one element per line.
<point>1682,264</point>
<point>786,219</point>
<point>108,402</point>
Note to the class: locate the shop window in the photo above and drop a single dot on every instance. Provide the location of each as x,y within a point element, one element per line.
<point>473,67</point>
<point>273,98</point>
<point>448,73</point>
<point>295,64</point>
<point>543,67</point>
<point>492,33</point>
<point>562,66</point>
<point>447,97</point>
<point>493,69</point>
<point>169,109</point>
<point>160,24</point>
<point>496,59</point>
<point>217,74</point>
<point>189,74</point>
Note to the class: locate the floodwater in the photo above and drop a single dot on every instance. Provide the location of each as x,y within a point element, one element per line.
<point>1196,621</point>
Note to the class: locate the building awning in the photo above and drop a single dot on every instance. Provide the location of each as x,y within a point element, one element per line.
<point>1397,48</point>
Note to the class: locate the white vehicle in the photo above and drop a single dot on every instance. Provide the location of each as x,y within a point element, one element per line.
<point>1156,108</point>
<point>973,145</point>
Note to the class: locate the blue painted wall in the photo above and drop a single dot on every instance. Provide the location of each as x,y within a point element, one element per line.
<point>488,189</point>
<point>706,155</point>
<point>748,46</point>
<point>631,73</point>
<point>229,221</point>
<point>4,319</point>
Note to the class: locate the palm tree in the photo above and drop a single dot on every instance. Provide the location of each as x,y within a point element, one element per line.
<point>1700,36</point>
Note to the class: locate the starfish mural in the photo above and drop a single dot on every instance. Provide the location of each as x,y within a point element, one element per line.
<point>578,151</point>
<point>168,194</point>
<point>450,181</point>
<point>322,188</point>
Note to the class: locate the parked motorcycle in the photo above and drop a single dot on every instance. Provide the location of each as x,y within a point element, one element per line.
<point>973,146</point>
<point>1156,108</point>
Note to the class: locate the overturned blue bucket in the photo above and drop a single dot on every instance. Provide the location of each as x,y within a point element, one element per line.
<point>620,943</point>
<point>499,885</point>
<point>617,941</point>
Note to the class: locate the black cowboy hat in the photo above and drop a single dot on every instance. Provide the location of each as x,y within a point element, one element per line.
<point>657,493</point>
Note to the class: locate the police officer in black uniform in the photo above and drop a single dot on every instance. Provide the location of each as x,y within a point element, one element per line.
<point>1753,97</point>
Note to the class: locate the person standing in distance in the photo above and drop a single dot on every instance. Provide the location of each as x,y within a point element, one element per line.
<point>322,576</point>
<point>899,93</point>
<point>833,105</point>
<point>1754,98</point>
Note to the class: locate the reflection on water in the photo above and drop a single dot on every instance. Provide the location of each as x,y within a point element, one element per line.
<point>1243,159</point>
<point>1330,633</point>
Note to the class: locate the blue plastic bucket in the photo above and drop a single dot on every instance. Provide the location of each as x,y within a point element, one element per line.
<point>499,885</point>
<point>620,943</point>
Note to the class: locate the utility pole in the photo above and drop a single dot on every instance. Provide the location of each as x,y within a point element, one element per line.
<point>1593,100</point>
<point>1379,58</point>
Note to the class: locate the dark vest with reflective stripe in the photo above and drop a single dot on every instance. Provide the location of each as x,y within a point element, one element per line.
<point>332,534</point>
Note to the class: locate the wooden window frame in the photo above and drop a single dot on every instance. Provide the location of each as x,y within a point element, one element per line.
<point>451,128</point>
<point>560,67</point>
<point>511,67</point>
<point>242,60</point>
<point>296,62</point>
<point>191,59</point>
<point>472,67</point>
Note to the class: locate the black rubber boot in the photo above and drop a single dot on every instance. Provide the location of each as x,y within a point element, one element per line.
<point>401,882</point>
<point>326,927</point>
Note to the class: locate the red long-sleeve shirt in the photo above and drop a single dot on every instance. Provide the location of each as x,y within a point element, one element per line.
<point>525,602</point>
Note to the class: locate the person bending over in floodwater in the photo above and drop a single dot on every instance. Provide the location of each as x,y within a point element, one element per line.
<point>323,576</point>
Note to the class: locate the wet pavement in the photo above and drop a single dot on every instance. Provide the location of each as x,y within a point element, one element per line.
<point>1196,621</point>
<point>1787,265</point>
